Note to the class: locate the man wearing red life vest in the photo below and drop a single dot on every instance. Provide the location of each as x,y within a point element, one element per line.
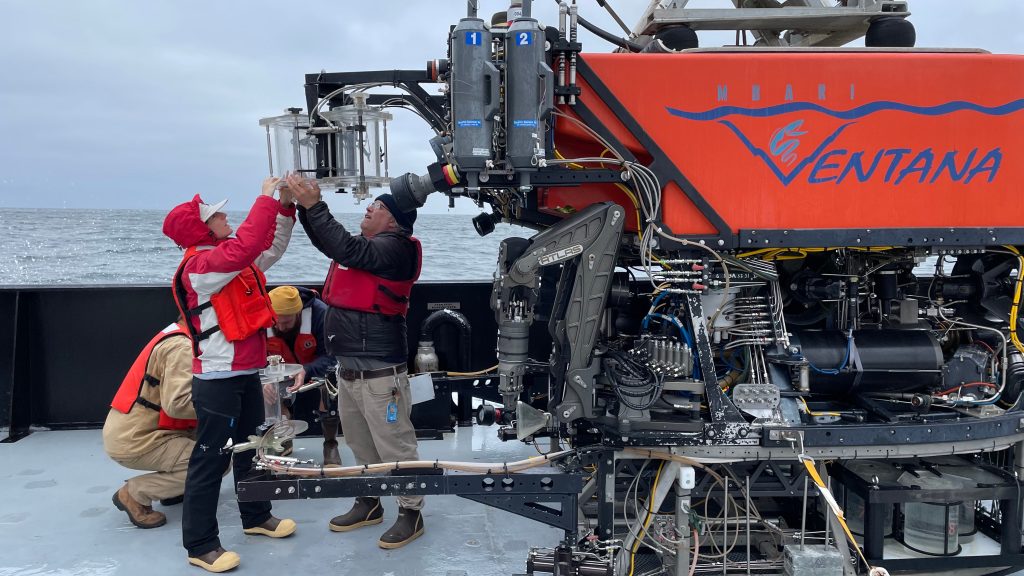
<point>298,338</point>
<point>221,291</point>
<point>367,290</point>
<point>151,426</point>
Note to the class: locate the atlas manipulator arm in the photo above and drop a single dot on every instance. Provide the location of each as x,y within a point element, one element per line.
<point>586,245</point>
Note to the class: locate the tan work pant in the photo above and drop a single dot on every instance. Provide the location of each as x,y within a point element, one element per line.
<point>363,405</point>
<point>169,465</point>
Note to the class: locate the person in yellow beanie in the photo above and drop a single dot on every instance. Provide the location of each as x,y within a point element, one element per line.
<point>298,337</point>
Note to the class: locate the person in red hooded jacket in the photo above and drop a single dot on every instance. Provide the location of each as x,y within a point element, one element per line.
<point>221,291</point>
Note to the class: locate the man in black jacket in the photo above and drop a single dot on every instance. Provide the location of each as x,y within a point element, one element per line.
<point>367,289</point>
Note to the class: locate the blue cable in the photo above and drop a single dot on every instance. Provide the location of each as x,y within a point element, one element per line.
<point>846,358</point>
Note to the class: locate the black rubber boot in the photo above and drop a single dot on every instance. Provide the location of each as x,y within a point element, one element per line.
<point>329,423</point>
<point>408,527</point>
<point>365,512</point>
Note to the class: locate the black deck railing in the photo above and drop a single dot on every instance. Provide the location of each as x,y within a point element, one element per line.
<point>64,350</point>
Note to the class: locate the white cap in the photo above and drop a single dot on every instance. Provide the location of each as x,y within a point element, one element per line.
<point>206,211</point>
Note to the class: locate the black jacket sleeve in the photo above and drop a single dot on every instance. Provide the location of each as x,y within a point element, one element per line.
<point>323,361</point>
<point>387,254</point>
<point>304,220</point>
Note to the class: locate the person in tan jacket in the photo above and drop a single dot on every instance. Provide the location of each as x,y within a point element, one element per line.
<point>151,426</point>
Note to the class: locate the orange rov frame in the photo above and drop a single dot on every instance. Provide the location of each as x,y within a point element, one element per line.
<point>811,148</point>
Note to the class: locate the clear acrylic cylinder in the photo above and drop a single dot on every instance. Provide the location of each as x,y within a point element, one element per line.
<point>931,527</point>
<point>289,147</point>
<point>358,147</point>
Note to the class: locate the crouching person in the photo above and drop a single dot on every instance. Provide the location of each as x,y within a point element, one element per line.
<point>151,426</point>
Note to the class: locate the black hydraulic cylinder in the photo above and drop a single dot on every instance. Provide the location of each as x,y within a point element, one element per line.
<point>878,360</point>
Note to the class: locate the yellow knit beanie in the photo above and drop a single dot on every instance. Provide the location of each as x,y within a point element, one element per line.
<point>286,300</point>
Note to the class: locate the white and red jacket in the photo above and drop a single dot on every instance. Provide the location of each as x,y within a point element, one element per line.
<point>260,241</point>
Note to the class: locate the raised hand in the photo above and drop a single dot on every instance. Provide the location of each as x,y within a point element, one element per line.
<point>287,198</point>
<point>269,185</point>
<point>306,192</point>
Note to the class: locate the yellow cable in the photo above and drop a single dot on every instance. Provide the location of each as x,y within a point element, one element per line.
<point>477,373</point>
<point>831,501</point>
<point>572,165</point>
<point>647,521</point>
<point>808,410</point>
<point>1014,310</point>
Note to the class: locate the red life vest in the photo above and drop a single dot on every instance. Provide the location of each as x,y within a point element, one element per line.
<point>242,306</point>
<point>130,392</point>
<point>355,289</point>
<point>304,350</point>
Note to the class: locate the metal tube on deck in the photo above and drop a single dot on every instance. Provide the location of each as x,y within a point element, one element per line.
<point>803,516</point>
<point>746,487</point>
<point>725,524</point>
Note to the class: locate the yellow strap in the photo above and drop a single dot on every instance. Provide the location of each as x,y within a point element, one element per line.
<point>831,501</point>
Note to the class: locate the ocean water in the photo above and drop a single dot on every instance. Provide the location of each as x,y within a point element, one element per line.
<point>71,246</point>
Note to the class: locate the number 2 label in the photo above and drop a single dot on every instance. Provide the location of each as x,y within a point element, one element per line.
<point>523,39</point>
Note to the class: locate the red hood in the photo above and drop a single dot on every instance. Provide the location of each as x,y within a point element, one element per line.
<point>184,226</point>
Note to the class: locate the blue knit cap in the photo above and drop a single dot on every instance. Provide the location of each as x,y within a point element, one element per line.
<point>403,219</point>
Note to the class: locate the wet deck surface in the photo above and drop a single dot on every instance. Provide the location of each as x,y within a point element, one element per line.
<point>57,519</point>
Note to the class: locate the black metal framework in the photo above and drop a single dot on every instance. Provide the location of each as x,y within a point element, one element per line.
<point>552,499</point>
<point>947,240</point>
<point>878,496</point>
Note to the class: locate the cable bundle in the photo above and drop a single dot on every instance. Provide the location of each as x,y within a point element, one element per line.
<point>633,380</point>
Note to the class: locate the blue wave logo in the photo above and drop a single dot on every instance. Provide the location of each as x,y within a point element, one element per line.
<point>786,140</point>
<point>830,163</point>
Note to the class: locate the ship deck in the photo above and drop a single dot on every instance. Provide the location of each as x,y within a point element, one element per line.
<point>57,519</point>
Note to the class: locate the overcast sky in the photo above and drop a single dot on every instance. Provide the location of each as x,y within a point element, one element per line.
<point>140,104</point>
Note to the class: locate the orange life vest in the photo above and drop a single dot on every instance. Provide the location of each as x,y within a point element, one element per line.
<point>242,306</point>
<point>355,289</point>
<point>130,392</point>
<point>304,350</point>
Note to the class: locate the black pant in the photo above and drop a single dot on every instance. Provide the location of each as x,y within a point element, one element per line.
<point>226,408</point>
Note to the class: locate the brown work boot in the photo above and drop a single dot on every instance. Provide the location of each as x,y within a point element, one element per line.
<point>219,560</point>
<point>364,512</point>
<point>141,516</point>
<point>408,527</point>
<point>330,428</point>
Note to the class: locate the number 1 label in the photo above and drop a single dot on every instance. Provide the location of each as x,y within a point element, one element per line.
<point>473,38</point>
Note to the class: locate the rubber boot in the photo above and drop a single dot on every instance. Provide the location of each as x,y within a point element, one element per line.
<point>365,512</point>
<point>408,527</point>
<point>330,423</point>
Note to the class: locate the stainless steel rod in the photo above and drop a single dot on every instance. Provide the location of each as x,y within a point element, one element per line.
<point>803,516</point>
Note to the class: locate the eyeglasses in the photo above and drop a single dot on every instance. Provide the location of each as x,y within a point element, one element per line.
<point>378,205</point>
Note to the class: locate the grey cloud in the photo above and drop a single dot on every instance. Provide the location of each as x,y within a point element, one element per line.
<point>140,104</point>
